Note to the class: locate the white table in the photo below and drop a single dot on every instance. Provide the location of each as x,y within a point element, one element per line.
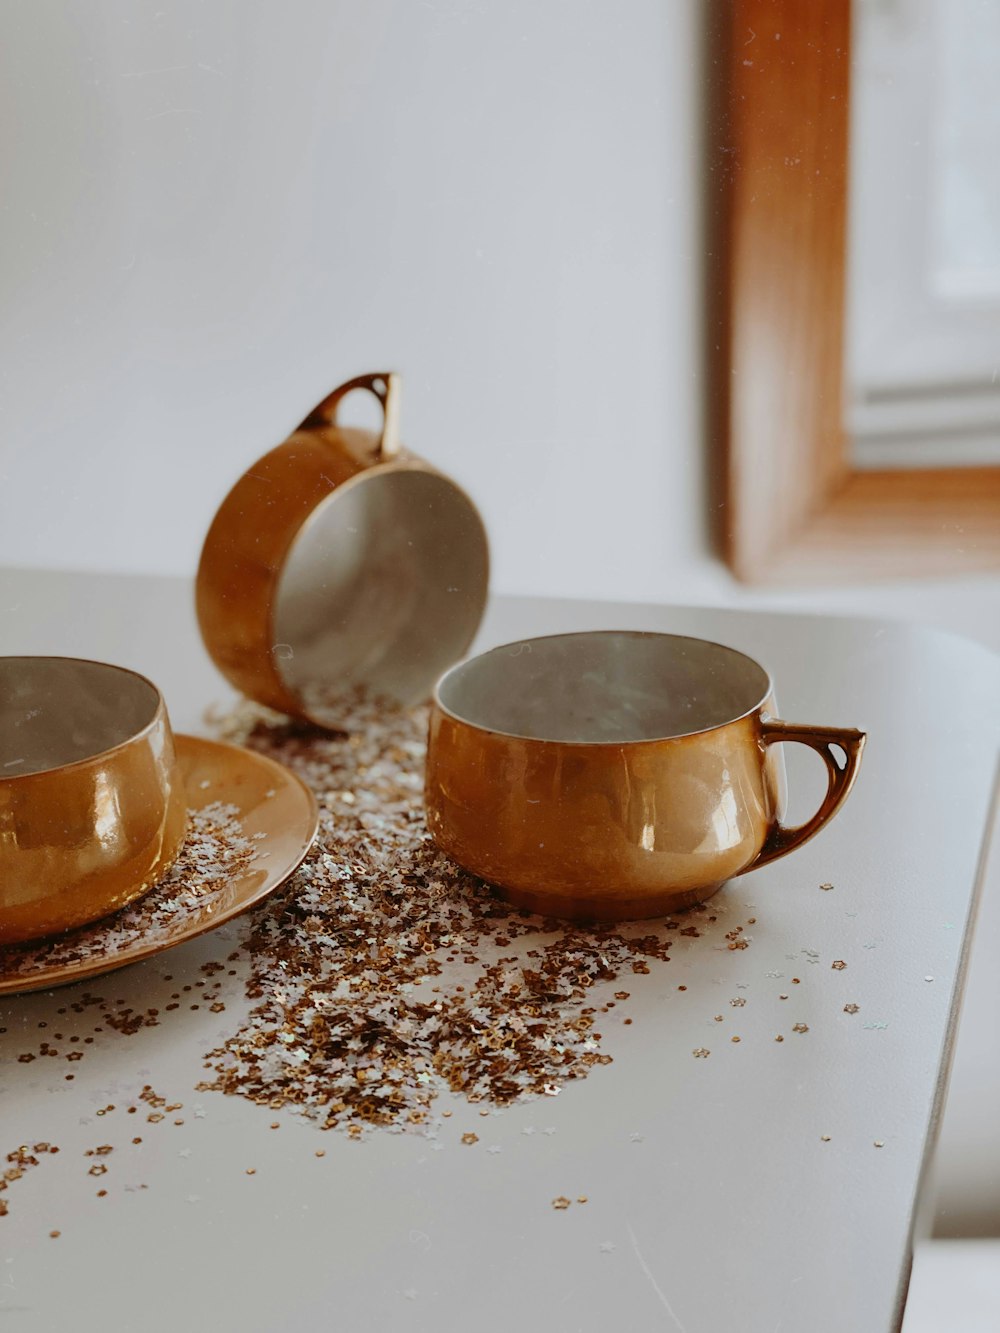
<point>714,1203</point>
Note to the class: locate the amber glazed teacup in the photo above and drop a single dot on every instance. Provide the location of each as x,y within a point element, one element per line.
<point>617,775</point>
<point>92,805</point>
<point>339,564</point>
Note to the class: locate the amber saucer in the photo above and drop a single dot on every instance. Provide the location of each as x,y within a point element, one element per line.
<point>274,813</point>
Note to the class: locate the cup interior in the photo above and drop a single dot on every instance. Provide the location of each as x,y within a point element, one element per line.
<point>384,588</point>
<point>61,710</point>
<point>607,687</point>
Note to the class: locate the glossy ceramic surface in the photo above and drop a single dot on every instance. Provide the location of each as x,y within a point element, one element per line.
<point>275,810</point>
<point>616,775</point>
<point>341,562</point>
<point>92,809</point>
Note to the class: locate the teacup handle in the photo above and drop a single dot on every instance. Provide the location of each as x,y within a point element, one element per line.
<point>840,779</point>
<point>387,388</point>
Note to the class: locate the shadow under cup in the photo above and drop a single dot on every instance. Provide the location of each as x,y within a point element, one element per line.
<point>92,806</point>
<point>617,774</point>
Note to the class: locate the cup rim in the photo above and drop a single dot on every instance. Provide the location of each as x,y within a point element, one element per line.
<point>600,744</point>
<point>159,714</point>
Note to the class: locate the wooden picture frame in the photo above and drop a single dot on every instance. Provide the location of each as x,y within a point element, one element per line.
<point>793,508</point>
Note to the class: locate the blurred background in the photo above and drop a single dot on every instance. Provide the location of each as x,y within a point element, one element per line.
<point>213,212</point>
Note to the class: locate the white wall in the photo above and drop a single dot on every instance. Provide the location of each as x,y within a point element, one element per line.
<point>216,212</point>
<point>212,213</point>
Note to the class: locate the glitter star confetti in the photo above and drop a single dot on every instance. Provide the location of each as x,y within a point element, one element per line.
<point>383,976</point>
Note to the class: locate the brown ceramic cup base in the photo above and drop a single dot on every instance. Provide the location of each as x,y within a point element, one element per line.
<point>605,907</point>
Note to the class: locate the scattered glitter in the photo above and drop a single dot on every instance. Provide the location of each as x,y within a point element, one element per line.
<point>928,978</point>
<point>826,887</point>
<point>738,1003</point>
<point>825,1138</point>
<point>774,974</point>
<point>880,1143</point>
<point>561,1203</point>
<point>384,976</point>
<point>581,1198</point>
<point>701,1053</point>
<point>54,1235</point>
<point>470,1138</point>
<point>734,1038</point>
<point>779,1037</point>
<point>852,1008</point>
<point>19,1162</point>
<point>800,1027</point>
<point>838,965</point>
<point>494,1148</point>
<point>635,1138</point>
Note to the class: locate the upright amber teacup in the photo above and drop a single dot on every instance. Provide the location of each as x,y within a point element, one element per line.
<point>92,804</point>
<point>616,775</point>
